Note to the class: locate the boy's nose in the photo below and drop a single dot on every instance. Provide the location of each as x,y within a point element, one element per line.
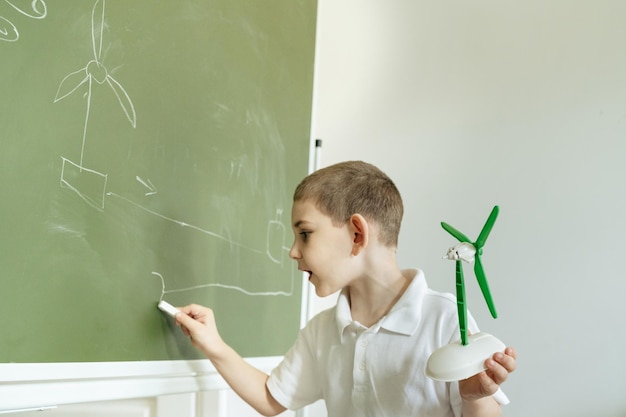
<point>294,253</point>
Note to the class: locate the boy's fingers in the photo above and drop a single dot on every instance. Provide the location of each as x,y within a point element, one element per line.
<point>183,318</point>
<point>497,372</point>
<point>507,359</point>
<point>488,382</point>
<point>500,365</point>
<point>511,352</point>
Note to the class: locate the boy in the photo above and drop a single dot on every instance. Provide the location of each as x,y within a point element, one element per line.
<point>367,355</point>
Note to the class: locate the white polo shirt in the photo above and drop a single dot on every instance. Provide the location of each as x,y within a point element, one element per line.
<point>377,371</point>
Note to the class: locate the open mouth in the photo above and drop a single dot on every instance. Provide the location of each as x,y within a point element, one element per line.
<point>306,271</point>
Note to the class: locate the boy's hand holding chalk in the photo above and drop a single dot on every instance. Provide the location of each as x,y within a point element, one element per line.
<point>198,323</point>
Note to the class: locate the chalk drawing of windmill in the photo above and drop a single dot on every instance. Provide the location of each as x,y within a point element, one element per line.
<point>89,184</point>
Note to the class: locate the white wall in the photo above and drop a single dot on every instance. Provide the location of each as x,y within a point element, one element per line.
<point>467,104</point>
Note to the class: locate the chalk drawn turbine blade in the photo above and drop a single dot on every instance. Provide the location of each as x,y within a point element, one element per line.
<point>70,83</point>
<point>97,28</point>
<point>39,9</point>
<point>148,184</point>
<point>124,99</point>
<point>8,31</point>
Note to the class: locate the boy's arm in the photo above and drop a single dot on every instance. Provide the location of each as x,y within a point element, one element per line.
<point>248,382</point>
<point>477,391</point>
<point>484,407</point>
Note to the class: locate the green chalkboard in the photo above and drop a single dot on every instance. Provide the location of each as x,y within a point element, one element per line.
<point>148,150</point>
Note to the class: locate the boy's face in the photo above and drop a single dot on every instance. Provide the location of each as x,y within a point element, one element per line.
<point>321,248</point>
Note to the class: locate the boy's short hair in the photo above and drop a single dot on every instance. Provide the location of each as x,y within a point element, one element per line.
<point>355,187</point>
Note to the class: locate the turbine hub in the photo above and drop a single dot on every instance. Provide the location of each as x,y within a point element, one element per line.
<point>463,251</point>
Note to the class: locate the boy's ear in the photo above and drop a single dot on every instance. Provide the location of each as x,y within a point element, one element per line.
<point>360,233</point>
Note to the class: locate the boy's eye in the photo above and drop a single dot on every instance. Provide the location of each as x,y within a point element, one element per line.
<point>304,235</point>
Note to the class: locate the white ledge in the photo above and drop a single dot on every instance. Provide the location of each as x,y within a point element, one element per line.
<point>43,385</point>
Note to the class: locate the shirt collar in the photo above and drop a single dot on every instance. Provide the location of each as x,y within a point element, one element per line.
<point>403,317</point>
<point>342,312</point>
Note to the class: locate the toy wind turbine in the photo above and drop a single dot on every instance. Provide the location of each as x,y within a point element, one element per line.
<point>461,360</point>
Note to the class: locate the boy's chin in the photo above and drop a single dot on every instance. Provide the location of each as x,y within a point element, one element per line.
<point>323,291</point>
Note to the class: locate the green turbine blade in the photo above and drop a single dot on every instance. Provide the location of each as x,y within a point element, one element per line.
<point>458,235</point>
<point>484,286</point>
<point>460,303</point>
<point>482,237</point>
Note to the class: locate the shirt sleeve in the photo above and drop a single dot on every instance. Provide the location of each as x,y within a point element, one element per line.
<point>294,382</point>
<point>501,397</point>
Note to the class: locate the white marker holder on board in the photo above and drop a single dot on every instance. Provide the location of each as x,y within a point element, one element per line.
<point>318,154</point>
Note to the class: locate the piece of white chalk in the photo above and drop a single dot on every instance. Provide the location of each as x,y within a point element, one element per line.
<point>167,308</point>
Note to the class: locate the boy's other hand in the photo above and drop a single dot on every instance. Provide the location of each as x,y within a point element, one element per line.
<point>486,383</point>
